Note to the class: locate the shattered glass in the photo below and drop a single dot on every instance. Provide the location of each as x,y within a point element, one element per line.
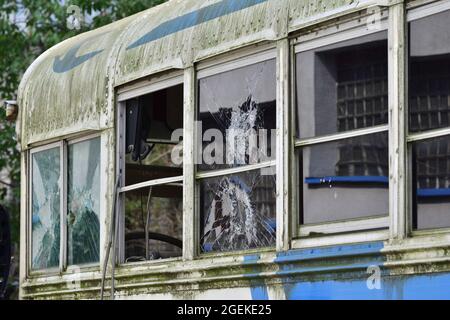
<point>237,111</point>
<point>83,205</point>
<point>45,245</point>
<point>238,212</point>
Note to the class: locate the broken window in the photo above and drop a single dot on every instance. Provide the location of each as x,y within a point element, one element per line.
<point>429,108</point>
<point>81,224</point>
<point>343,87</point>
<point>238,212</point>
<point>237,115</point>
<point>45,209</point>
<point>152,206</point>
<point>83,202</point>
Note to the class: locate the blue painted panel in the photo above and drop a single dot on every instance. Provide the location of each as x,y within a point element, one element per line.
<point>258,291</point>
<point>354,249</point>
<point>332,290</point>
<point>347,179</point>
<point>420,287</point>
<point>427,193</point>
<point>415,287</point>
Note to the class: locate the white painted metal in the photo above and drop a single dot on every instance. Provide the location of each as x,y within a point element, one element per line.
<point>338,239</point>
<point>345,226</point>
<point>340,136</point>
<point>230,171</point>
<point>151,183</point>
<point>397,58</point>
<point>428,134</point>
<point>357,32</point>
<point>189,149</point>
<point>236,60</point>
<point>427,10</point>
<point>283,150</point>
<point>146,87</point>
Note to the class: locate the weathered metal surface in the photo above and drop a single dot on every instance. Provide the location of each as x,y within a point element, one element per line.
<point>337,272</point>
<point>70,88</point>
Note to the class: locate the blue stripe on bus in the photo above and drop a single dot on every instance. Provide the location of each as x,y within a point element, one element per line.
<point>412,287</point>
<point>258,291</point>
<point>194,18</point>
<point>429,193</point>
<point>347,179</point>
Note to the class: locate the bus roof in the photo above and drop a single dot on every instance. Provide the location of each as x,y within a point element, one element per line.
<point>70,88</point>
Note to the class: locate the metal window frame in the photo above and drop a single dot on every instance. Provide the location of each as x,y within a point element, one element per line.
<point>164,81</point>
<point>414,14</point>
<point>347,28</point>
<point>355,29</point>
<point>235,60</point>
<point>157,83</point>
<point>66,144</point>
<point>427,10</point>
<point>63,266</point>
<point>55,270</point>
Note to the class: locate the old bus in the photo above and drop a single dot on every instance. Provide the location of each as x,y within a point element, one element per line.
<point>244,149</point>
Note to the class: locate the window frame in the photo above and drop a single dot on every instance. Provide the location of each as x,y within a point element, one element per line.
<point>138,89</point>
<point>64,267</point>
<point>351,29</point>
<point>232,61</point>
<point>413,14</point>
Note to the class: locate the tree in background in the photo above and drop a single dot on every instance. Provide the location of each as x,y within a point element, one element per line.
<point>27,29</point>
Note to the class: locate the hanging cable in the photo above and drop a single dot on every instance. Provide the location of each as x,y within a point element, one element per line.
<point>111,240</point>
<point>147,225</point>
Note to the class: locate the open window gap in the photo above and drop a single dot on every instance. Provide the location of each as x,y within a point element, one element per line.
<point>152,193</point>
<point>153,223</point>
<point>154,127</point>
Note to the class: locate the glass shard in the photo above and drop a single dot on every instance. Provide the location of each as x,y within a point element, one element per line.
<point>83,203</point>
<point>237,112</point>
<point>238,212</point>
<point>45,221</point>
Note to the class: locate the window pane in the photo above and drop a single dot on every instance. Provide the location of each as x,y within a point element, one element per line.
<point>83,203</point>
<point>429,73</point>
<point>45,209</point>
<point>152,144</point>
<point>238,211</point>
<point>160,208</point>
<point>343,86</point>
<point>241,104</point>
<point>346,179</point>
<point>431,182</point>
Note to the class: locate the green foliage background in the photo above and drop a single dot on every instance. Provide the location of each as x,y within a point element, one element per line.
<point>27,29</point>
